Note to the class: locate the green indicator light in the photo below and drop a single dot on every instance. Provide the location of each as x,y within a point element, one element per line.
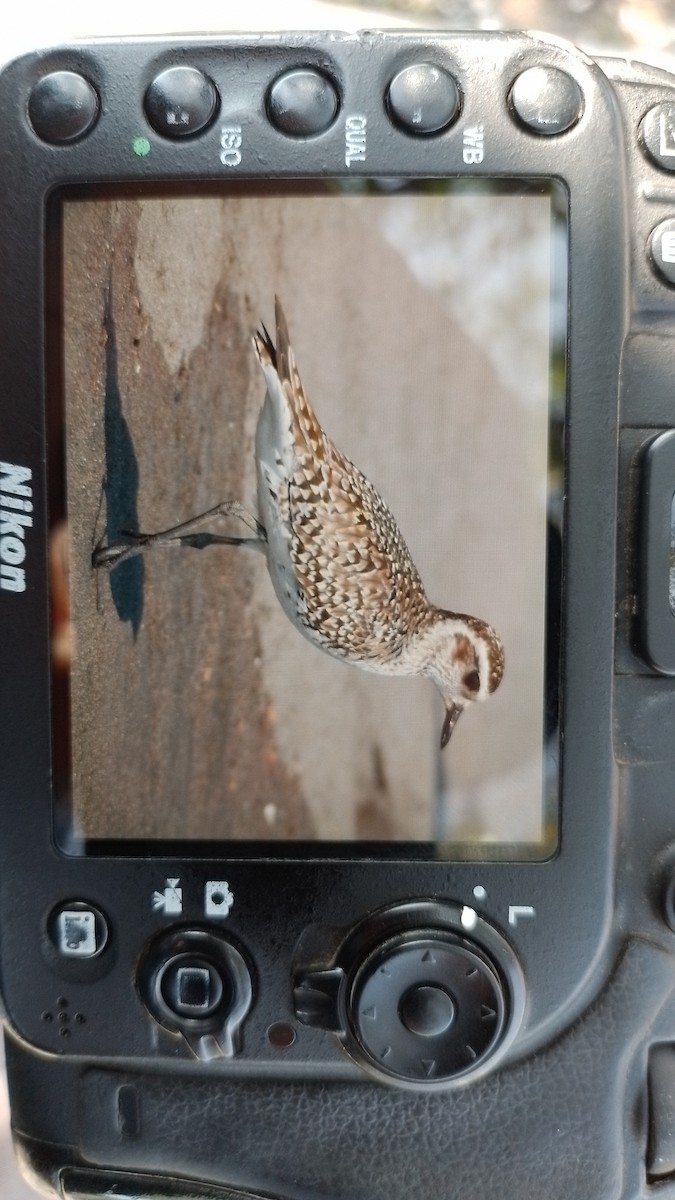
<point>140,146</point>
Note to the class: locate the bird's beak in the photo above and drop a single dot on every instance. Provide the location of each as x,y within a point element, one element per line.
<point>452,715</point>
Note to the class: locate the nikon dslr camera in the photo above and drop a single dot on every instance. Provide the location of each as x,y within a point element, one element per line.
<point>337,466</point>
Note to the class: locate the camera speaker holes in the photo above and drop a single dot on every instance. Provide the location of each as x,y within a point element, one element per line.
<point>62,1017</point>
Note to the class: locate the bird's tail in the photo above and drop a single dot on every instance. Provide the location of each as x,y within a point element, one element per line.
<point>284,386</point>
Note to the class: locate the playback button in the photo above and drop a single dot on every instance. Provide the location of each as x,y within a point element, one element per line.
<point>63,107</point>
<point>661,248</point>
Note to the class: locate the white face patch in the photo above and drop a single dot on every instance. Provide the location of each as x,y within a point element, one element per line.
<point>483,670</point>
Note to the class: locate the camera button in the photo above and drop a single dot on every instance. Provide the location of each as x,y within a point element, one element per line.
<point>546,100</point>
<point>180,102</point>
<point>302,103</point>
<point>657,135</point>
<point>63,106</point>
<point>423,99</point>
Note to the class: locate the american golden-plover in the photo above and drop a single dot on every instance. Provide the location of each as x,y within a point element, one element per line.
<point>336,557</point>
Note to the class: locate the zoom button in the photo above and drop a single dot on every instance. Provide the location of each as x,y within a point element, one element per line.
<point>180,102</point>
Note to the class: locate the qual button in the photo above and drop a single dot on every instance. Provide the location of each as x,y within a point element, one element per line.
<point>180,102</point>
<point>63,106</point>
<point>302,103</point>
<point>423,99</point>
<point>546,100</point>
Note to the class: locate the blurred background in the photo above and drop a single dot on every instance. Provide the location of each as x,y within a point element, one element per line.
<point>642,29</point>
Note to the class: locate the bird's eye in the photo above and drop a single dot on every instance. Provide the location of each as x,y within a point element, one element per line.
<point>471,682</point>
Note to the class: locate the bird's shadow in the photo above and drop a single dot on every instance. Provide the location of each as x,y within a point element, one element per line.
<point>120,484</point>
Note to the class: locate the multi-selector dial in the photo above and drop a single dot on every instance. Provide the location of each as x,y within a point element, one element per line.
<point>195,982</point>
<point>427,1006</point>
<point>421,993</point>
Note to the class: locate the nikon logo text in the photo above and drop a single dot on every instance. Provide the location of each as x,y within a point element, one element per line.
<point>16,505</point>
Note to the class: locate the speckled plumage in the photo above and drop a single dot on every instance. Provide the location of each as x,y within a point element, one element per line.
<point>337,559</point>
<point>336,555</point>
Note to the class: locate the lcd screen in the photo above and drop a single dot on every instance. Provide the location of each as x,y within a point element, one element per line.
<point>428,323</point>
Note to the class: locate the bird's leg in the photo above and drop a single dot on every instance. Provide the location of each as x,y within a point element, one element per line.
<point>185,534</point>
<point>232,508</point>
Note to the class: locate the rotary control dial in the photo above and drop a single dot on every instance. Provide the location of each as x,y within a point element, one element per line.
<point>427,1007</point>
<point>423,993</point>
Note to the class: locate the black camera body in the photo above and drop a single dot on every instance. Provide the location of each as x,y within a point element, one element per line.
<point>231,967</point>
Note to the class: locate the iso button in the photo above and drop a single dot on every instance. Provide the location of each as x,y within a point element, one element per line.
<point>180,102</point>
<point>423,99</point>
<point>302,103</point>
<point>662,250</point>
